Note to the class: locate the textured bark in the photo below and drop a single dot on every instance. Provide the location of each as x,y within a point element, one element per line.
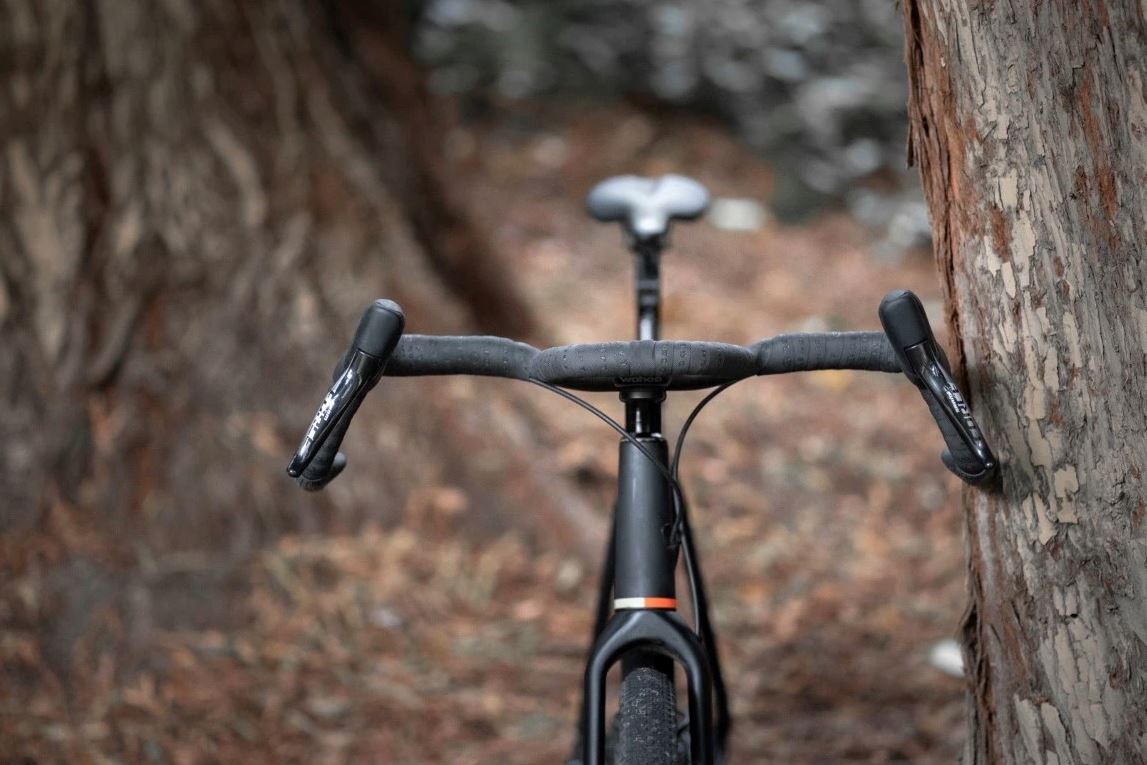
<point>194,207</point>
<point>376,37</point>
<point>1028,123</point>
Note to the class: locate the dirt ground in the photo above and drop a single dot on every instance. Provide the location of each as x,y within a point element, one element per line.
<point>828,528</point>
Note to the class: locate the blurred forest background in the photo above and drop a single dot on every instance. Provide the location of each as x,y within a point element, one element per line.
<point>196,202</point>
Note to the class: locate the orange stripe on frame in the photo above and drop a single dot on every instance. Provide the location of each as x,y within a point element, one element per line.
<point>661,602</point>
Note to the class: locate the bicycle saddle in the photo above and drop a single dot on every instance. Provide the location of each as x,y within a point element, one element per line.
<point>645,206</point>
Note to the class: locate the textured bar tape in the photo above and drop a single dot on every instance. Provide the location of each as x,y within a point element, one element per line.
<point>673,364</point>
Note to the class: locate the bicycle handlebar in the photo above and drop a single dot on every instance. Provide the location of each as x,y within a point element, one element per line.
<point>666,364</point>
<point>906,345</point>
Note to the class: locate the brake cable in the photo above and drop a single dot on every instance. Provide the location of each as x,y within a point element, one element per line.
<point>683,511</point>
<point>677,491</point>
<point>680,504</point>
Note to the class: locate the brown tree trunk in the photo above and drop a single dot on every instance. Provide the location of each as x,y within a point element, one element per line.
<point>375,36</point>
<point>1028,124</point>
<point>196,200</point>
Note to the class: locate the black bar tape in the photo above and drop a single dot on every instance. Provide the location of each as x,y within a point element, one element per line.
<point>868,351</point>
<point>418,355</point>
<point>674,364</point>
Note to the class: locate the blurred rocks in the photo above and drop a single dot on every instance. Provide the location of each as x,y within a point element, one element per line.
<point>817,86</point>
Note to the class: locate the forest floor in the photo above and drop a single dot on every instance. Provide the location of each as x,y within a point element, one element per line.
<point>828,528</point>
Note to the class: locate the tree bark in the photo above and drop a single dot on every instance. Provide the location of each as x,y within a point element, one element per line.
<point>196,202</point>
<point>1028,123</point>
<point>376,37</point>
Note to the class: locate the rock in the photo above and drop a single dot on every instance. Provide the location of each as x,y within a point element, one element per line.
<point>817,86</point>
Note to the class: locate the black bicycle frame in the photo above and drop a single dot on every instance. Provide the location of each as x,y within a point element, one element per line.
<point>637,600</point>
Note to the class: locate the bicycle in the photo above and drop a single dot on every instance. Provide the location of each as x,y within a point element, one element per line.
<point>636,619</point>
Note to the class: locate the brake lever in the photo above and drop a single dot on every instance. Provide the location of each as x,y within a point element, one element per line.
<point>349,386</point>
<point>357,372</point>
<point>925,365</point>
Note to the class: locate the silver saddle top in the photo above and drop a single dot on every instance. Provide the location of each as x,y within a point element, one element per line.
<point>645,206</point>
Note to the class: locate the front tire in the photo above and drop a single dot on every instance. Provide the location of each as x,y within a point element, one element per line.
<point>647,717</point>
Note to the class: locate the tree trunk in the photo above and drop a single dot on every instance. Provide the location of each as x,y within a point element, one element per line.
<point>1028,124</point>
<point>196,201</point>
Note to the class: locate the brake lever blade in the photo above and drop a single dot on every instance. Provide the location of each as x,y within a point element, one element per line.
<point>930,368</point>
<point>348,386</point>
<point>357,371</point>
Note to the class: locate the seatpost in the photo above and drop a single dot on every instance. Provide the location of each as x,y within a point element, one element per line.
<point>643,407</point>
<point>647,256</point>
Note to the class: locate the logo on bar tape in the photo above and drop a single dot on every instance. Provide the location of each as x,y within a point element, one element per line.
<point>670,603</point>
<point>624,380</point>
